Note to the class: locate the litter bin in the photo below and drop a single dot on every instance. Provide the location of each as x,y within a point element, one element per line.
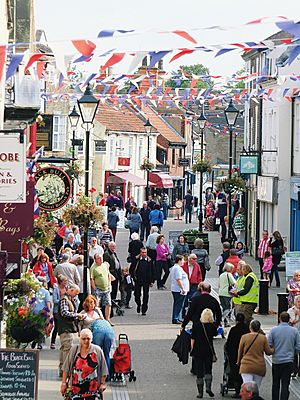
<point>283,304</point>
<point>263,300</point>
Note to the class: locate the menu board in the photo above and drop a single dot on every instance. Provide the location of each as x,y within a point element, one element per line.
<point>19,374</point>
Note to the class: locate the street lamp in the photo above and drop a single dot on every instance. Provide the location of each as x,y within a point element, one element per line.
<point>87,105</point>
<point>231,114</point>
<point>148,129</point>
<point>201,123</point>
<point>73,118</point>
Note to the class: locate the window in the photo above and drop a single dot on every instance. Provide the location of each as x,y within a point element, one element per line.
<point>120,147</point>
<point>100,146</point>
<point>140,151</point>
<point>59,132</point>
<point>161,155</point>
<point>130,146</point>
<point>173,156</point>
<point>112,153</point>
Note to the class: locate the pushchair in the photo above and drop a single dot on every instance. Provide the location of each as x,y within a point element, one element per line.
<point>116,306</point>
<point>122,360</point>
<point>228,383</point>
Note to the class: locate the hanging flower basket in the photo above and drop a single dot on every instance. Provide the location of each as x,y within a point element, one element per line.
<point>147,165</point>
<point>234,185</point>
<point>24,335</point>
<point>74,170</point>
<point>44,230</point>
<point>203,165</point>
<point>83,213</point>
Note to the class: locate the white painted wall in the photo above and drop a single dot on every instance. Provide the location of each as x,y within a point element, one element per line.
<point>3,39</point>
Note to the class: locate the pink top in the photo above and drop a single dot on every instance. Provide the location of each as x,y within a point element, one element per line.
<point>268,264</point>
<point>161,249</point>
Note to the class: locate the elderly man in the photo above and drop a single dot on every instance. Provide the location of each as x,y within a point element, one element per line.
<point>145,224</point>
<point>201,301</point>
<point>67,269</point>
<point>249,391</point>
<point>111,257</point>
<point>71,243</point>
<point>222,258</point>
<point>193,271</point>
<point>95,248</point>
<point>66,321</point>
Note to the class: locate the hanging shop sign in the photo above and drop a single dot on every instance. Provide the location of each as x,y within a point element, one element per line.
<point>267,189</point>
<point>53,188</point>
<point>249,164</point>
<point>12,167</point>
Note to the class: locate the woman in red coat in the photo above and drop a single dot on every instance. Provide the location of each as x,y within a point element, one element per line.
<point>193,271</point>
<point>43,267</point>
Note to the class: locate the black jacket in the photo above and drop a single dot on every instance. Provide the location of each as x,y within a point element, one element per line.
<point>182,346</point>
<point>144,213</point>
<point>144,271</point>
<point>233,341</point>
<point>108,256</point>
<point>198,304</point>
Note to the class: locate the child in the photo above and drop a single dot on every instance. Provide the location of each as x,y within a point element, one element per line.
<point>268,264</point>
<point>240,249</point>
<point>126,288</point>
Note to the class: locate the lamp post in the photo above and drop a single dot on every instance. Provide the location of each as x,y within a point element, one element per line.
<point>87,105</point>
<point>148,128</point>
<point>201,123</point>
<point>231,114</point>
<point>73,118</point>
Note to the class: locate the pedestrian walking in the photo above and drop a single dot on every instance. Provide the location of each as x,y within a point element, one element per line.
<point>202,257</point>
<point>188,206</point>
<point>90,312</point>
<point>233,259</point>
<point>84,369</point>
<point>293,287</point>
<point>268,264</point>
<point>238,224</point>
<point>231,350</point>
<point>156,217</point>
<point>240,249</point>
<point>144,276</point>
<point>285,340</point>
<point>226,232</point>
<point>222,258</point>
<point>294,313</point>
<point>264,245</point>
<point>253,346</point>
<point>67,269</point>
<point>203,353</point>
<point>126,288</point>
<point>165,204</point>
<point>239,284</point>
<point>135,221</point>
<point>95,248</point>
<point>43,268</point>
<point>151,203</point>
<point>179,288</point>
<point>59,291</point>
<point>105,236</point>
<point>162,262</point>
<point>151,245</point>
<point>145,224</point>
<point>193,271</point>
<point>277,248</point>
<point>112,220</point>
<point>226,283</point>
<point>115,267</point>
<point>134,248</point>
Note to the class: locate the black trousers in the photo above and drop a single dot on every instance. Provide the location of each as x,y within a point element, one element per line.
<point>261,264</point>
<point>137,295</point>
<point>281,376</point>
<point>203,366</point>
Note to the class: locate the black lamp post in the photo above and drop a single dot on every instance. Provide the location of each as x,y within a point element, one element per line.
<point>87,105</point>
<point>201,123</point>
<point>231,114</point>
<point>148,128</point>
<point>73,118</point>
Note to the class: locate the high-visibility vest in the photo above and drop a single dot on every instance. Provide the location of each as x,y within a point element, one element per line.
<point>252,295</point>
<point>239,284</point>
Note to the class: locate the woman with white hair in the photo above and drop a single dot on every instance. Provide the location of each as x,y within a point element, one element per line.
<point>84,370</point>
<point>226,282</point>
<point>294,313</point>
<point>293,287</point>
<point>203,351</point>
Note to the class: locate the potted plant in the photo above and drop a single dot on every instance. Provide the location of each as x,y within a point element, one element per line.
<point>22,324</point>
<point>203,165</point>
<point>44,230</point>
<point>233,185</point>
<point>147,165</point>
<point>74,170</point>
<point>83,213</point>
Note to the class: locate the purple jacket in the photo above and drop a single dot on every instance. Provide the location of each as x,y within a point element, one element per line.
<point>160,250</point>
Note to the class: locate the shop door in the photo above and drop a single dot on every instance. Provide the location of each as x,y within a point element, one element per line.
<point>295,226</point>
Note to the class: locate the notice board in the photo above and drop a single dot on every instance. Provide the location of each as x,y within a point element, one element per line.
<point>19,371</point>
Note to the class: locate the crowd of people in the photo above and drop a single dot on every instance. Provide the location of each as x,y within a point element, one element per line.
<point>152,260</point>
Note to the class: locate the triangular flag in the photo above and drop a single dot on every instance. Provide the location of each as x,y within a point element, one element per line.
<point>156,56</point>
<point>85,47</point>
<point>15,61</point>
<point>33,59</point>
<point>181,53</point>
<point>114,59</point>
<point>186,36</point>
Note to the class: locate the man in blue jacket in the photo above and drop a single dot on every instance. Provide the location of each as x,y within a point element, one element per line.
<point>286,341</point>
<point>156,217</point>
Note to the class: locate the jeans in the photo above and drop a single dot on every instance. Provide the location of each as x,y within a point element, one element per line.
<point>274,271</point>
<point>178,303</point>
<point>226,307</point>
<point>137,295</point>
<point>105,341</point>
<point>188,214</point>
<point>162,266</point>
<point>253,378</point>
<point>165,210</point>
<point>281,375</point>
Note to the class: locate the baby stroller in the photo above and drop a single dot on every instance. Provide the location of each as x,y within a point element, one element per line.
<point>227,383</point>
<point>122,360</point>
<point>115,304</point>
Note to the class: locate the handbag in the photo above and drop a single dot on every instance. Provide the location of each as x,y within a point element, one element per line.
<point>206,264</point>
<point>214,356</point>
<point>249,348</point>
<point>127,224</point>
<point>230,286</point>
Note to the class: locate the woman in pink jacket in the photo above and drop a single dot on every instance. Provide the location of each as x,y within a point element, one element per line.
<point>163,256</point>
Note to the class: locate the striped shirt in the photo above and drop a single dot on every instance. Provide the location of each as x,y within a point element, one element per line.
<point>263,247</point>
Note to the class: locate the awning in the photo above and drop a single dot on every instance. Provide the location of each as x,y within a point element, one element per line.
<point>161,180</point>
<point>120,177</point>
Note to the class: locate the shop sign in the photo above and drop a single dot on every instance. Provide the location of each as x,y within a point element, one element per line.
<point>267,189</point>
<point>53,188</point>
<point>124,161</point>
<point>292,262</point>
<point>249,164</point>
<point>12,168</point>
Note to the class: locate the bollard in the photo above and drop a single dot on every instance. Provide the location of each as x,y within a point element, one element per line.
<point>263,301</point>
<point>282,303</point>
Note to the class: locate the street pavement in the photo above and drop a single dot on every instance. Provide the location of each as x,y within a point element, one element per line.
<point>159,374</point>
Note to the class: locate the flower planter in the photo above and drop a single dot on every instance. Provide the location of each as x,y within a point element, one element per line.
<point>24,335</point>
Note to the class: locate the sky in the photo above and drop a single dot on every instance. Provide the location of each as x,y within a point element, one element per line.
<point>63,20</point>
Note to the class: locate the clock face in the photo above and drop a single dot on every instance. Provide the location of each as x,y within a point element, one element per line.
<point>53,188</point>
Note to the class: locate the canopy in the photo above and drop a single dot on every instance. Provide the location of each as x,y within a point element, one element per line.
<point>161,180</point>
<point>123,176</point>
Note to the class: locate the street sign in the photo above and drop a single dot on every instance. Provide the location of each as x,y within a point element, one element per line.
<point>184,162</point>
<point>292,262</point>
<point>249,164</point>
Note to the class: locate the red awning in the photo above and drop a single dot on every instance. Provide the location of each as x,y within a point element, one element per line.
<point>120,177</point>
<point>161,180</point>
